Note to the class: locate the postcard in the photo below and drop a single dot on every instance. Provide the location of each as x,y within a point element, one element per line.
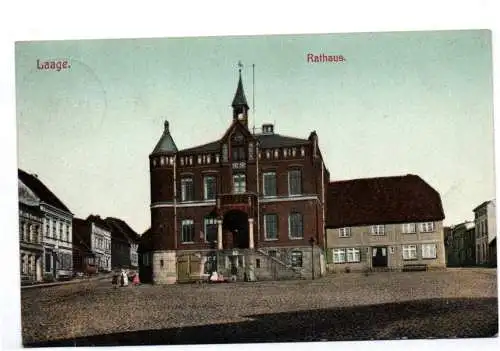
<point>256,189</point>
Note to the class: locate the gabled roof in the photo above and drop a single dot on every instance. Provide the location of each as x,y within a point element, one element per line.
<point>166,143</point>
<point>213,146</point>
<point>382,200</point>
<point>484,204</point>
<point>277,140</point>
<point>239,97</point>
<point>266,141</point>
<point>101,223</point>
<point>41,190</point>
<point>121,228</point>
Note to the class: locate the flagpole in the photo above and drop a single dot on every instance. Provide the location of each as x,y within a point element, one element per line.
<point>253,96</point>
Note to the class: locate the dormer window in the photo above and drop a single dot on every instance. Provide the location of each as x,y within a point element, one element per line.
<point>199,160</point>
<point>268,154</point>
<point>302,151</point>
<point>154,162</point>
<point>267,129</point>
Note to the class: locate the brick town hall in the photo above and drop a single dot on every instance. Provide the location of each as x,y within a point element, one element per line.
<point>249,203</point>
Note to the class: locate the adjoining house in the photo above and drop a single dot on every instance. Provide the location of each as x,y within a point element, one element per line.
<point>57,239</point>
<point>493,252</point>
<point>461,245</point>
<point>30,235</point>
<point>92,239</point>
<point>145,252</point>
<point>384,223</point>
<point>485,222</point>
<point>124,244</point>
<point>252,201</point>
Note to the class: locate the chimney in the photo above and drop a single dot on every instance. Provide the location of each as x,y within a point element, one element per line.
<point>267,128</point>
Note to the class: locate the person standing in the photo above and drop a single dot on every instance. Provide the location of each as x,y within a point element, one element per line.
<point>122,280</point>
<point>114,280</point>
<point>125,278</point>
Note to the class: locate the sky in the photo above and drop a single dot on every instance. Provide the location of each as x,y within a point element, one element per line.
<point>401,102</point>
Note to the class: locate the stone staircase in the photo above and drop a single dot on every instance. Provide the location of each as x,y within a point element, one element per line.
<point>272,268</point>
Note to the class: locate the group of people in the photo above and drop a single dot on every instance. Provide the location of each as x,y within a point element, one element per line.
<point>122,278</point>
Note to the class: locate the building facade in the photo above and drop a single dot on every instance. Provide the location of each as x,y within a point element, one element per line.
<point>384,223</point>
<point>485,232</point>
<point>461,250</point>
<point>124,244</point>
<point>30,235</point>
<point>56,228</point>
<point>92,244</point>
<point>145,256</point>
<point>248,201</point>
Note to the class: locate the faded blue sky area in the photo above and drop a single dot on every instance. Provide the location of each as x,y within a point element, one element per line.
<point>403,102</point>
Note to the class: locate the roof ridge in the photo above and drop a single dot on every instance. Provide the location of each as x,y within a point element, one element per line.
<point>41,190</point>
<point>373,178</point>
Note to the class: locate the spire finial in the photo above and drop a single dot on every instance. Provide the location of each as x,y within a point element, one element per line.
<point>166,124</point>
<point>240,66</point>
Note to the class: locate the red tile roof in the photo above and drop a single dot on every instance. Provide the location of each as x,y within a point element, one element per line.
<point>384,200</point>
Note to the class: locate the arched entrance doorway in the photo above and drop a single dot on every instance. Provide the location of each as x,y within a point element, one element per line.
<point>236,222</point>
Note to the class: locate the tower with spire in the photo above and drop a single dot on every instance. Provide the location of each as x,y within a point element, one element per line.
<point>240,105</point>
<point>162,163</point>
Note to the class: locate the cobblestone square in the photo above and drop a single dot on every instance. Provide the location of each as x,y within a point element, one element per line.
<point>452,303</point>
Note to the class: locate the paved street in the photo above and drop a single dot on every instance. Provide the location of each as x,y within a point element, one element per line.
<point>456,303</point>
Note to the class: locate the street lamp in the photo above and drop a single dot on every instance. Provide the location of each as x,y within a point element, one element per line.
<point>56,259</point>
<point>311,241</point>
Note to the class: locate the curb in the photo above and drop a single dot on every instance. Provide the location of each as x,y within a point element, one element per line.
<point>69,282</point>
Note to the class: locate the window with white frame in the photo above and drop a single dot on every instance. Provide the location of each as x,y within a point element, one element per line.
<point>378,229</point>
<point>429,251</point>
<point>409,252</point>
<point>295,182</point>
<point>295,226</point>
<point>209,187</point>
<point>210,225</point>
<point>271,226</point>
<point>187,231</point>
<point>187,191</point>
<point>427,227</point>
<point>239,183</point>
<point>344,232</point>
<point>353,255</point>
<point>339,256</point>
<point>409,228</point>
<point>269,184</point>
<point>346,255</point>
